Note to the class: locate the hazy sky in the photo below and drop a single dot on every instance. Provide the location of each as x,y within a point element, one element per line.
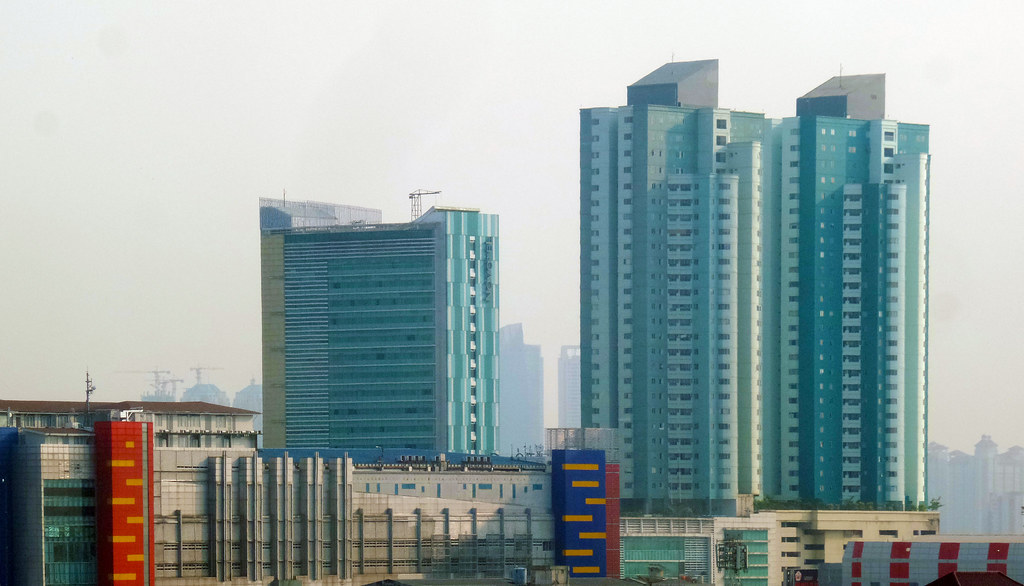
<point>136,138</point>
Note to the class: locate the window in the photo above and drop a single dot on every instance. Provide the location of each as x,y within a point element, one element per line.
<point>720,140</point>
<point>889,135</point>
<point>721,124</point>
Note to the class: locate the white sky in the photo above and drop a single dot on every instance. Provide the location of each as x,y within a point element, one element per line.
<point>135,140</point>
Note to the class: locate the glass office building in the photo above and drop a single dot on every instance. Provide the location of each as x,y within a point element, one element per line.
<point>382,335</point>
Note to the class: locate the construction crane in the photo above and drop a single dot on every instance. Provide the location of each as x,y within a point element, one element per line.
<point>174,387</point>
<point>159,384</point>
<point>416,199</point>
<point>199,372</point>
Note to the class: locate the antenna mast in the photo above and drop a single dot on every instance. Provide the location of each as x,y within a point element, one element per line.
<point>416,199</point>
<point>89,390</point>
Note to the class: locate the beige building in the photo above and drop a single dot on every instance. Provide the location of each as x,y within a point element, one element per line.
<point>812,538</point>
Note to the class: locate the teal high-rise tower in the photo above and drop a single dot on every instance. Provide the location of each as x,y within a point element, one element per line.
<point>849,420</point>
<point>671,276</point>
<point>754,294</point>
<point>379,334</point>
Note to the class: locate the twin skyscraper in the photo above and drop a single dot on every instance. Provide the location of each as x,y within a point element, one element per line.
<point>753,297</point>
<point>754,294</point>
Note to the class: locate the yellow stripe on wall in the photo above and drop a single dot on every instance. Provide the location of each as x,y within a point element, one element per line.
<point>123,500</point>
<point>586,570</point>
<point>595,501</point>
<point>585,484</point>
<point>585,518</point>
<point>595,535</point>
<point>135,557</point>
<point>122,463</point>
<point>122,538</point>
<point>129,444</point>
<point>133,482</point>
<point>134,520</point>
<point>580,467</point>
<point>122,577</point>
<point>575,552</point>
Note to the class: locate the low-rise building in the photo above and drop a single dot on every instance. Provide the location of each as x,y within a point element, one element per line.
<point>239,515</point>
<point>810,538</point>
<point>187,424</point>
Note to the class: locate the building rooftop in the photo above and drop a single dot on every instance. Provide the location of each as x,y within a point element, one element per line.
<point>975,579</point>
<point>861,96</point>
<point>683,83</point>
<point>57,430</point>
<point>148,406</point>
<point>403,457</point>
<point>279,214</point>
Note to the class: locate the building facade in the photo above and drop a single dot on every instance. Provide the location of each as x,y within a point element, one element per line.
<point>382,334</point>
<point>569,387</point>
<point>112,509</point>
<point>745,284</point>
<point>80,506</point>
<point>814,539</point>
<point>670,287</point>
<point>521,412</point>
<point>852,305</point>
<point>695,549</point>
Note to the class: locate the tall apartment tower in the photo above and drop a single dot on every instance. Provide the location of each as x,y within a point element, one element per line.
<point>379,335</point>
<point>848,417</point>
<point>671,191</point>
<point>521,412</point>
<point>746,285</point>
<point>569,387</point>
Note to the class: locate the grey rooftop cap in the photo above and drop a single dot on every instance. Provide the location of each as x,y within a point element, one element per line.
<point>851,96</point>
<point>684,83</point>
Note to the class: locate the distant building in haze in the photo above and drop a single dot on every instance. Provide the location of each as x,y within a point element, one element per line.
<point>569,387</point>
<point>521,412</point>
<point>380,334</point>
<point>754,293</point>
<point>981,493</point>
<point>251,398</point>
<point>206,393</point>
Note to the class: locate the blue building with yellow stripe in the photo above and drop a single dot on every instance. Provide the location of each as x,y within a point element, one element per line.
<point>578,507</point>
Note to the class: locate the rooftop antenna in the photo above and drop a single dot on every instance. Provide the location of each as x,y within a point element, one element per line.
<point>673,58</point>
<point>840,76</point>
<point>416,199</point>
<point>284,196</point>
<point>89,390</point>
